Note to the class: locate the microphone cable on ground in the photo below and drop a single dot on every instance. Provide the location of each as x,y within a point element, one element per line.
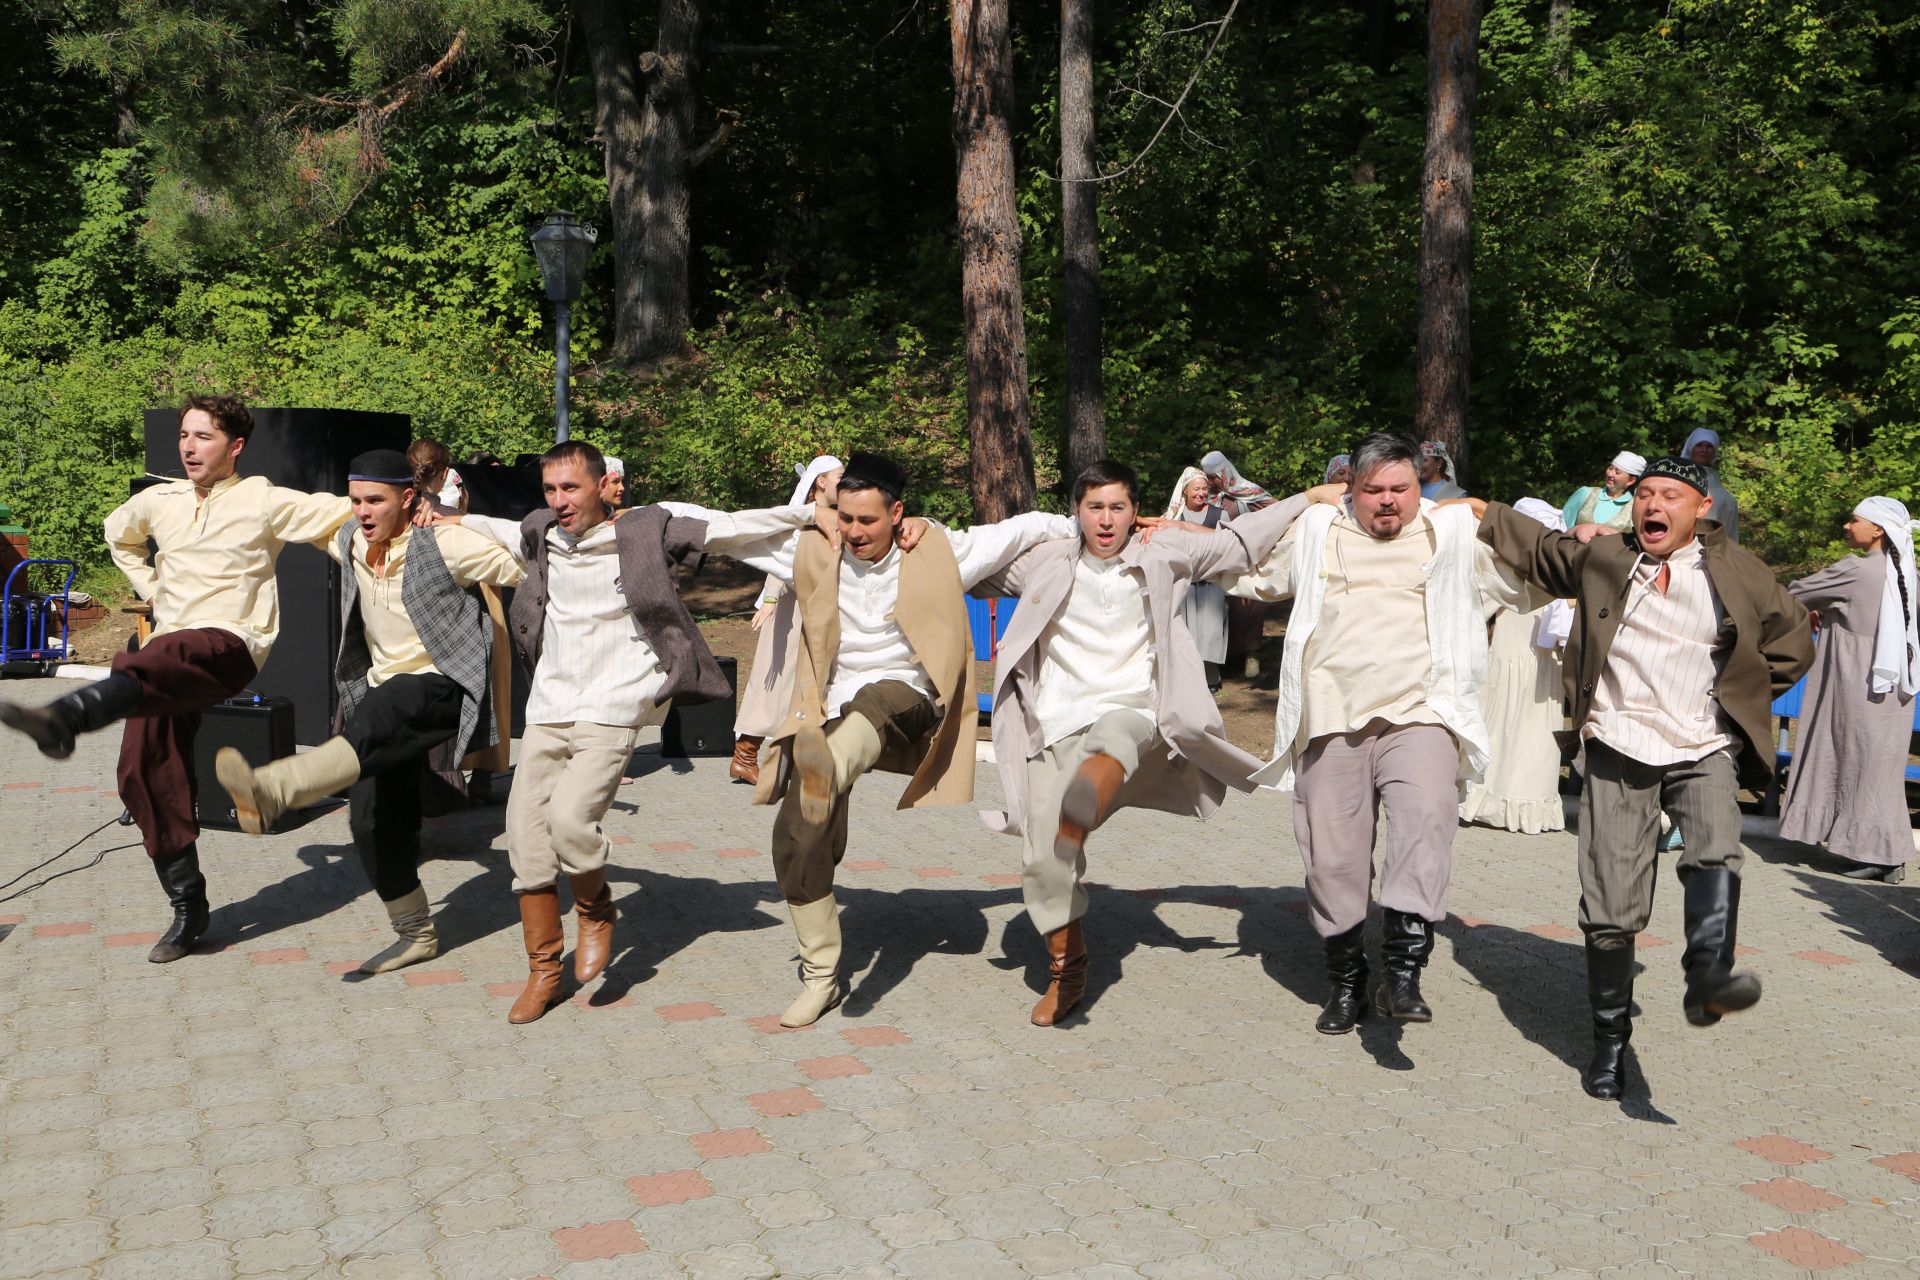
<point>21,893</point>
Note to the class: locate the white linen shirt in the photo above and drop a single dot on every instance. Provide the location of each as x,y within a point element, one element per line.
<point>1097,655</point>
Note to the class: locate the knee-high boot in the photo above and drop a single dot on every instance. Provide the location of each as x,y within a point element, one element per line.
<point>418,939</point>
<point>1067,969</point>
<point>187,892</point>
<point>1347,974</point>
<point>1086,802</point>
<point>261,795</point>
<point>54,727</point>
<point>818,926</point>
<point>593,905</point>
<point>827,764</point>
<point>1405,944</point>
<point>1712,911</point>
<point>1610,992</point>
<point>540,928</point>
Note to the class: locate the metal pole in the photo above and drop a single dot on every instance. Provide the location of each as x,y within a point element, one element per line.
<point>561,316</point>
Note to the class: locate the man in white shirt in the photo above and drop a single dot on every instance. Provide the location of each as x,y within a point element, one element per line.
<point>1379,707</point>
<point>1101,699</point>
<point>885,680</point>
<point>216,614</point>
<point>600,623</point>
<point>412,671</point>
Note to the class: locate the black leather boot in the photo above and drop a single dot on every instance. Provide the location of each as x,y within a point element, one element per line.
<point>187,891</point>
<point>1610,992</point>
<point>1405,944</point>
<point>1712,912</point>
<point>54,726</point>
<point>1347,972</point>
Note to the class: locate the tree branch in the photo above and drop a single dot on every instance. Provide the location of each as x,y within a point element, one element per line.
<point>729,121</point>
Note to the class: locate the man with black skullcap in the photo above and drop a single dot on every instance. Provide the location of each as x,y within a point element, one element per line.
<point>885,681</point>
<point>412,673</point>
<point>216,614</point>
<point>1681,642</point>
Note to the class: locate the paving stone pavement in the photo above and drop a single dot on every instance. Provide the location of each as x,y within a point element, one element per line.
<point>259,1110</point>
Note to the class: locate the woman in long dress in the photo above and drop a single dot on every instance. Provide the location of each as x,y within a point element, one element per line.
<point>766,694</point>
<point>1847,786</point>
<point>1522,705</point>
<point>1237,495</point>
<point>1205,611</point>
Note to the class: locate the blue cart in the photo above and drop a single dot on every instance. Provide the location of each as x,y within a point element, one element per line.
<point>25,628</point>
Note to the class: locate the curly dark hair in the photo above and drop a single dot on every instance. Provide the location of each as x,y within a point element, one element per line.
<point>229,413</point>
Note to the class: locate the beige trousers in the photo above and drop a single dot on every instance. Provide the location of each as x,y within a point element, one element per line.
<point>1052,889</point>
<point>567,776</point>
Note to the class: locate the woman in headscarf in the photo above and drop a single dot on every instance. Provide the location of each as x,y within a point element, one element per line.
<point>767,694</point>
<point>1522,707</point>
<point>1205,611</point>
<point>1438,480</point>
<point>1847,785</point>
<point>1703,447</point>
<point>1339,469</point>
<point>1246,619</point>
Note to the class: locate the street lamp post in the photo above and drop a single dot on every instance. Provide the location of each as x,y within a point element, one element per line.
<point>560,246</point>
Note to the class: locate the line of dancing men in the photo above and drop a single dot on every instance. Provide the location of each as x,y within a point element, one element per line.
<point>1100,700</point>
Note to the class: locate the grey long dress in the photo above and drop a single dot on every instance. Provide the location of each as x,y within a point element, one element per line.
<point>1205,612</point>
<point>1847,786</point>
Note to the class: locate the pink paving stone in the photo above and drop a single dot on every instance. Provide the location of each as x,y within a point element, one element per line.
<point>1800,1247</point>
<point>873,1037</point>
<point>724,1144</point>
<point>865,864</point>
<point>836,1067</point>
<point>688,1012</point>
<point>434,977</point>
<point>70,791</point>
<point>10,920</point>
<point>670,1188</point>
<point>1792,1195</point>
<point>736,853</point>
<point>934,873</point>
<point>341,968</point>
<point>1470,922</point>
<point>24,786</point>
<point>613,1239</point>
<point>1778,1149</point>
<point>278,955</point>
<point>1002,878</point>
<point>1553,931</point>
<point>1906,1164</point>
<point>1649,940</point>
<point>623,840</point>
<point>672,846</point>
<point>504,989</point>
<point>71,929</point>
<point>785,1102</point>
<point>1817,956</point>
<point>769,1025</point>
<point>131,939</point>
<point>1742,949</point>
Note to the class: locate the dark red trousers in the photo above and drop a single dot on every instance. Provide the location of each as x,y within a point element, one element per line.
<point>181,674</point>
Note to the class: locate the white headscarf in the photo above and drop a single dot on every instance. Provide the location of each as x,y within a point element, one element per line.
<point>1556,620</point>
<point>1178,502</point>
<point>1710,436</point>
<point>808,474</point>
<point>1247,495</point>
<point>1896,641</point>
<point>1631,463</point>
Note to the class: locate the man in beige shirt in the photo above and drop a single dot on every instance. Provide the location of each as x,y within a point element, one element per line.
<point>216,613</point>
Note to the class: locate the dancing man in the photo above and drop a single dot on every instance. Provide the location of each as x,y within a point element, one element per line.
<point>885,680</point>
<point>600,623</point>
<point>1681,642</point>
<point>216,614</point>
<point>1101,700</point>
<point>1379,706</point>
<point>412,672</point>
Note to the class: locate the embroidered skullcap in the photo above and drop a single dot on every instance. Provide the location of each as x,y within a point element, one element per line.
<point>870,469</point>
<point>382,466</point>
<point>1685,470</point>
<point>1631,463</point>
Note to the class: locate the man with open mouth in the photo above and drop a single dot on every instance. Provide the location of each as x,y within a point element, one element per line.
<point>1681,642</point>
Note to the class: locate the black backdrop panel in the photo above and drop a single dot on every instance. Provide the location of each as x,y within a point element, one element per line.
<point>307,449</point>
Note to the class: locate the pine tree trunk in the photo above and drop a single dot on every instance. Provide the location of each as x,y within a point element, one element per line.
<point>1080,240</point>
<point>998,421</point>
<point>1444,359</point>
<point>645,118</point>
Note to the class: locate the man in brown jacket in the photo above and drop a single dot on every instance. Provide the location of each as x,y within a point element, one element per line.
<point>1681,641</point>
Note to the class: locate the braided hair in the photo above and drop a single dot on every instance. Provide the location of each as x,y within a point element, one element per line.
<point>1906,605</point>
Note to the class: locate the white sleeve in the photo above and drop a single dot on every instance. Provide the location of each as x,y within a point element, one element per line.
<point>986,549</point>
<point>727,531</point>
<point>494,529</point>
<point>1272,578</point>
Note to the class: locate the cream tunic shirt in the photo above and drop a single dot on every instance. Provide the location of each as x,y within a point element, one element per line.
<point>393,644</point>
<point>1097,655</point>
<point>215,557</point>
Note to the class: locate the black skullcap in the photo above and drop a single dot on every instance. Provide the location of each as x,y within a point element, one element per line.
<point>871,470</point>
<point>382,466</point>
<point>1685,470</point>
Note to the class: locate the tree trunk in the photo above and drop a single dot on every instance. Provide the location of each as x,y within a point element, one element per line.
<point>998,421</point>
<point>1444,359</point>
<point>1560,37</point>
<point>644,113</point>
<point>1080,240</point>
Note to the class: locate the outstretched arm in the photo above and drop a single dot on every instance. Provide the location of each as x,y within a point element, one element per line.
<point>474,559</point>
<point>311,518</point>
<point>1551,561</point>
<point>1242,544</point>
<point>985,549</point>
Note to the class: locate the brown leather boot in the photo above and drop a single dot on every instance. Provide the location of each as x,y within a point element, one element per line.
<point>1086,802</point>
<point>1067,962</point>
<point>540,924</point>
<point>746,761</point>
<point>593,903</point>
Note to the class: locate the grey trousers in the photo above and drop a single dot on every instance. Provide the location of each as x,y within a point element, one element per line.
<point>1052,888</point>
<point>1341,784</point>
<point>1620,804</point>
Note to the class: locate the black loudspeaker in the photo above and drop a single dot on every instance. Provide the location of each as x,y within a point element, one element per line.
<point>307,449</point>
<point>705,728</point>
<point>261,729</point>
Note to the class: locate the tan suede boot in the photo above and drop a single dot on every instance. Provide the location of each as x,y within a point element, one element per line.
<point>818,926</point>
<point>829,763</point>
<point>1086,802</point>
<point>1067,962</point>
<point>540,927</point>
<point>261,795</point>
<point>593,904</point>
<point>746,761</point>
<point>418,941</point>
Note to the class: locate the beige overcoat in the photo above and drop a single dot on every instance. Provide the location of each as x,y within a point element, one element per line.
<point>1191,771</point>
